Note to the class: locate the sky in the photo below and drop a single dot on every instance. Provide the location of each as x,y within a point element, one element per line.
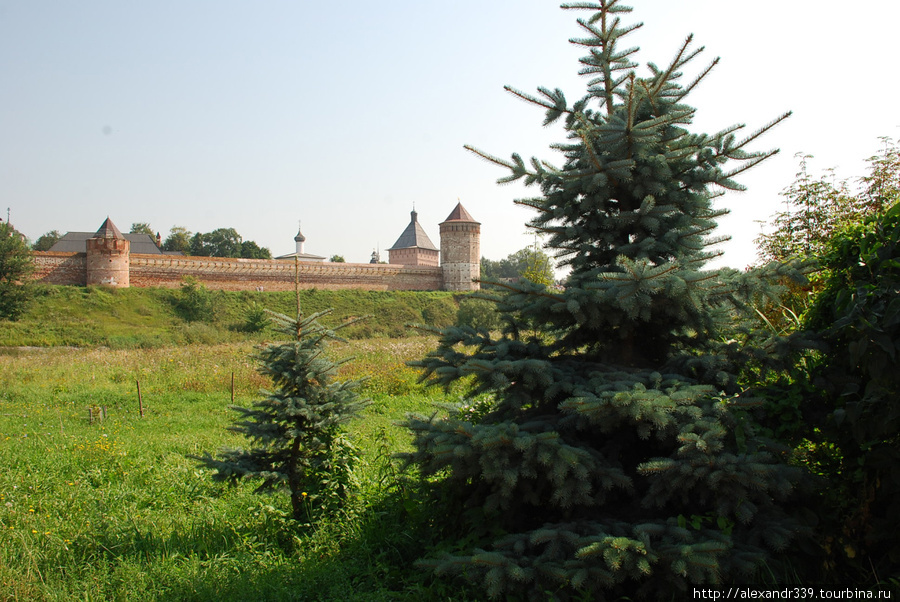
<point>344,116</point>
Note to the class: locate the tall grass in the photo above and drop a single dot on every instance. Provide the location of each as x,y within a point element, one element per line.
<point>115,511</point>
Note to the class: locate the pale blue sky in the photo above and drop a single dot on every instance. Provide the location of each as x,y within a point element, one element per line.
<point>255,115</point>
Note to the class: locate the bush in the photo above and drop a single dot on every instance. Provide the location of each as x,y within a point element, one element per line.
<point>257,318</point>
<point>15,266</point>
<point>856,414</point>
<point>194,302</point>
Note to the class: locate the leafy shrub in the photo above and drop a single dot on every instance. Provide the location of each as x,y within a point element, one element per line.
<point>257,318</point>
<point>194,302</point>
<point>857,411</point>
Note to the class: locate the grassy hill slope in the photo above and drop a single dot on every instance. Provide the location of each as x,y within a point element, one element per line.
<point>146,318</point>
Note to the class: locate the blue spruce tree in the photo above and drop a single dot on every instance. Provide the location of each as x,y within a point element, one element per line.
<point>613,458</point>
<point>296,432</point>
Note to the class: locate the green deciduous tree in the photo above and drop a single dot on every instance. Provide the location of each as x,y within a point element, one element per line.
<point>226,242</point>
<point>818,207</point>
<point>881,186</point>
<point>532,260</point>
<point>46,241</point>
<point>141,228</point>
<point>613,457</point>
<point>296,430</point>
<point>814,209</point>
<point>222,242</point>
<point>179,240</point>
<point>251,250</point>
<point>539,267</point>
<point>15,267</point>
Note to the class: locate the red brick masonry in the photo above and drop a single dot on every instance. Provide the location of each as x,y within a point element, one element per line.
<point>168,271</point>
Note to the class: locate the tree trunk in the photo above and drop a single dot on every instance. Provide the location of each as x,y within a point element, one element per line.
<point>295,481</point>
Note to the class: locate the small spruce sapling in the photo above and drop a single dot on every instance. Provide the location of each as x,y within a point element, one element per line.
<point>612,461</point>
<point>296,430</point>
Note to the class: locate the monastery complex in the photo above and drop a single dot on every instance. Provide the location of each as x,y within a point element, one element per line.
<point>113,259</point>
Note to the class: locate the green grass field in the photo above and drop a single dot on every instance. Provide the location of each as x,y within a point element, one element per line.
<point>114,510</point>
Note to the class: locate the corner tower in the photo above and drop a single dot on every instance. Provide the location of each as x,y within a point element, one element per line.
<point>460,251</point>
<point>108,257</point>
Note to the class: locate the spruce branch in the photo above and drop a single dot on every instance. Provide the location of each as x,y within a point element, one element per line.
<point>602,7</point>
<point>722,138</point>
<point>513,288</point>
<point>533,203</point>
<point>747,165</point>
<point>554,102</point>
<point>676,63</point>
<point>630,105</point>
<point>488,157</point>
<point>517,166</point>
<point>588,146</point>
<point>732,150</point>
<point>690,87</point>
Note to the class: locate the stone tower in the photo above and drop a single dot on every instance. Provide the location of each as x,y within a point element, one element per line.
<point>460,251</point>
<point>108,257</point>
<point>413,247</point>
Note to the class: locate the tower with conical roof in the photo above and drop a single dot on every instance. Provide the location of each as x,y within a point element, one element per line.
<point>108,254</point>
<point>414,247</point>
<point>460,251</point>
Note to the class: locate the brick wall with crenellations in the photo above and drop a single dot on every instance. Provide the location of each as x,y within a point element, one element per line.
<point>60,268</point>
<point>168,271</point>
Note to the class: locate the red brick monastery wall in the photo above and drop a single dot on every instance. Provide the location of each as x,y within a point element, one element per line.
<point>60,268</point>
<point>168,271</point>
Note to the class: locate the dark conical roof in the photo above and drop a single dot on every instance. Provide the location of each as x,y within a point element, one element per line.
<point>414,236</point>
<point>108,230</point>
<point>459,214</point>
